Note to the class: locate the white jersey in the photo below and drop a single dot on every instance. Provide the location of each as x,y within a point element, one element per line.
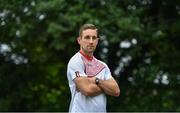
<point>80,102</point>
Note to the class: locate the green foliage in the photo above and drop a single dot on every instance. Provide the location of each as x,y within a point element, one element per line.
<point>39,37</point>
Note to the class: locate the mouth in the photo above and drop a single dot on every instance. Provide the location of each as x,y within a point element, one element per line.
<point>90,46</point>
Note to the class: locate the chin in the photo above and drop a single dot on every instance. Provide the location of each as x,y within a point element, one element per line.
<point>90,51</point>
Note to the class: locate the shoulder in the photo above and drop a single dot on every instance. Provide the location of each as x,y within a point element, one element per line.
<point>76,59</point>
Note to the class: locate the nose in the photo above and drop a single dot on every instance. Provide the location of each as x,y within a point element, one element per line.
<point>91,40</point>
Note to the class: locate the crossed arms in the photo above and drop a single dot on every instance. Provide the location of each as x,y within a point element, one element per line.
<point>88,87</point>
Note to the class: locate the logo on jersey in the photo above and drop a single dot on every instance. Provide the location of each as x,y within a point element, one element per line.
<point>77,74</point>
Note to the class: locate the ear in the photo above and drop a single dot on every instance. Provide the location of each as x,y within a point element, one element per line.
<point>98,39</point>
<point>78,40</point>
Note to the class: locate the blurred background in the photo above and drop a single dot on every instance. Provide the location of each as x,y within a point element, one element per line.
<point>139,40</point>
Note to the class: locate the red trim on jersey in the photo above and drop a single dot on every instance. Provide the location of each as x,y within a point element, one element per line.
<point>90,58</point>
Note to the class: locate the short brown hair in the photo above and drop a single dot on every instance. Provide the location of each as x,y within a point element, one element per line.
<point>87,26</point>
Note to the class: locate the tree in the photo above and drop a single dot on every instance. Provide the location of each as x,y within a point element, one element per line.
<point>139,41</point>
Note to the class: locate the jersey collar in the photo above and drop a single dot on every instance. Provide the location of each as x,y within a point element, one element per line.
<point>89,58</point>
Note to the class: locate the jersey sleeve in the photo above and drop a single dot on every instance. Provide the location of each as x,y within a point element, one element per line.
<point>75,69</point>
<point>107,73</point>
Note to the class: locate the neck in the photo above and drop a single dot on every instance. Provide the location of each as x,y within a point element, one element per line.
<point>86,55</point>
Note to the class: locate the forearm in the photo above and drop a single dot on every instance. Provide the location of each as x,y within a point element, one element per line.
<point>86,87</point>
<point>93,90</point>
<point>110,87</point>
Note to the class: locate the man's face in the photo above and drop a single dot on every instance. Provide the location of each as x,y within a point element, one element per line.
<point>88,41</point>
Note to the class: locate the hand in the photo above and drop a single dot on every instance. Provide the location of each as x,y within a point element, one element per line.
<point>92,80</point>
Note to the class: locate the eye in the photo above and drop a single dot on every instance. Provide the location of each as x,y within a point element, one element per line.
<point>94,37</point>
<point>87,37</point>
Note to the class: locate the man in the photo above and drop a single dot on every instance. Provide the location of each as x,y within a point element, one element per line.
<point>89,79</point>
